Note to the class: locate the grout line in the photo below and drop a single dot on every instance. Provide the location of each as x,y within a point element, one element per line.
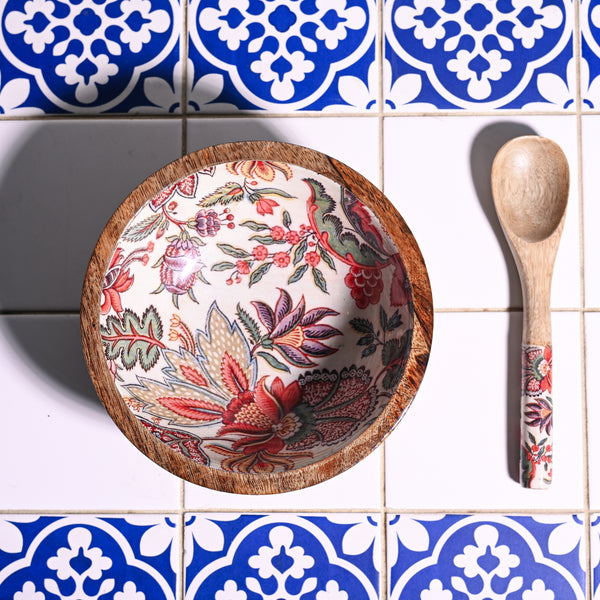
<point>297,115</point>
<point>180,582</point>
<point>184,53</point>
<point>582,330</point>
<point>380,50</point>
<point>308,511</point>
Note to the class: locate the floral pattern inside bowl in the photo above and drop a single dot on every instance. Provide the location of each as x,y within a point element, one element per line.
<point>256,316</point>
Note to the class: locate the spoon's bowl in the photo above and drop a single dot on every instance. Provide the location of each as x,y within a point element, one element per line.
<point>530,182</point>
<point>256,317</point>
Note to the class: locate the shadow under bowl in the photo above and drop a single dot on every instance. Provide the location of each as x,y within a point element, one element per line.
<point>256,317</point>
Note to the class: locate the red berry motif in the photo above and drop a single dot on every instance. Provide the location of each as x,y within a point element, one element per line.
<point>365,284</point>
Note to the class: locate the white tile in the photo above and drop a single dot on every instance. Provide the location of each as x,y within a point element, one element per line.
<point>457,448</point>
<point>590,151</point>
<point>356,488</point>
<point>437,173</point>
<point>353,140</point>
<point>592,333</point>
<point>60,181</point>
<point>60,449</point>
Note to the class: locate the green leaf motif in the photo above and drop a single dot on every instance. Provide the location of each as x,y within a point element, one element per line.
<point>390,352</point>
<point>222,266</point>
<point>250,325</point>
<point>254,226</point>
<point>368,351</point>
<point>383,319</point>
<point>225,194</point>
<point>143,229</point>
<point>233,251</point>
<point>327,258</point>
<point>259,273</point>
<point>392,377</point>
<point>300,250</point>
<point>272,192</point>
<point>361,325</point>
<point>298,274</point>
<point>266,239</point>
<point>276,364</point>
<point>287,219</point>
<point>133,339</point>
<point>342,242</point>
<point>394,321</point>
<point>319,279</point>
<point>366,340</point>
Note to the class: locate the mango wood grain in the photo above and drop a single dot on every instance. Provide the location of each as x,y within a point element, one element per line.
<point>530,185</point>
<point>353,451</point>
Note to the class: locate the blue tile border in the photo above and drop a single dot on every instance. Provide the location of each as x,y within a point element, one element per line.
<point>85,557</point>
<point>479,56</point>
<point>282,556</point>
<point>486,556</point>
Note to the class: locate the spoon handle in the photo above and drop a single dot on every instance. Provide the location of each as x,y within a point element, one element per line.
<point>536,416</point>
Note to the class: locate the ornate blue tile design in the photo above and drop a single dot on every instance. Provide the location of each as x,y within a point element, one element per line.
<point>492,557</point>
<point>86,558</point>
<point>85,55</point>
<point>595,554</point>
<point>287,557</point>
<point>284,55</point>
<point>589,18</point>
<point>478,55</point>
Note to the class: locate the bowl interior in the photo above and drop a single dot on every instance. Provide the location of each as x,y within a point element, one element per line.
<point>255,316</point>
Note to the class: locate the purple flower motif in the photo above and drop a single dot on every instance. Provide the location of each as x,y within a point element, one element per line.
<point>295,333</point>
<point>180,265</point>
<point>539,414</point>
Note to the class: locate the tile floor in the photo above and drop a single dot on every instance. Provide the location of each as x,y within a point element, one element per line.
<point>417,95</point>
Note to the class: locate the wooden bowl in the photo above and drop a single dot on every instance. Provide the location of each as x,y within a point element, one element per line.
<point>256,317</point>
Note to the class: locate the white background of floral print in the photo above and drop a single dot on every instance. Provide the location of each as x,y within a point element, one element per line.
<point>455,450</point>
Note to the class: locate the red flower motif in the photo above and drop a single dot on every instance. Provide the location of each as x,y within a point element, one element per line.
<point>295,333</point>
<point>264,205</point>
<point>243,268</point>
<point>118,278</point>
<point>281,259</point>
<point>312,258</point>
<point>292,237</point>
<point>277,232</point>
<point>260,252</point>
<point>263,418</point>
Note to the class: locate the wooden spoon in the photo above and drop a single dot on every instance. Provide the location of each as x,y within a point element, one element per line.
<point>530,185</point>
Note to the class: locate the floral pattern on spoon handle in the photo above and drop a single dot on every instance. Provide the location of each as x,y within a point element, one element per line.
<point>536,416</point>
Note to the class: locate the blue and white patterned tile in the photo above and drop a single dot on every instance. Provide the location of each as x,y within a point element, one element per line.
<point>486,556</point>
<point>282,556</point>
<point>283,55</point>
<point>87,557</point>
<point>589,18</point>
<point>595,554</point>
<point>85,56</point>
<point>478,56</point>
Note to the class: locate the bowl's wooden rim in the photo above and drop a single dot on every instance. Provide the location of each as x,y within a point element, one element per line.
<point>354,451</point>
